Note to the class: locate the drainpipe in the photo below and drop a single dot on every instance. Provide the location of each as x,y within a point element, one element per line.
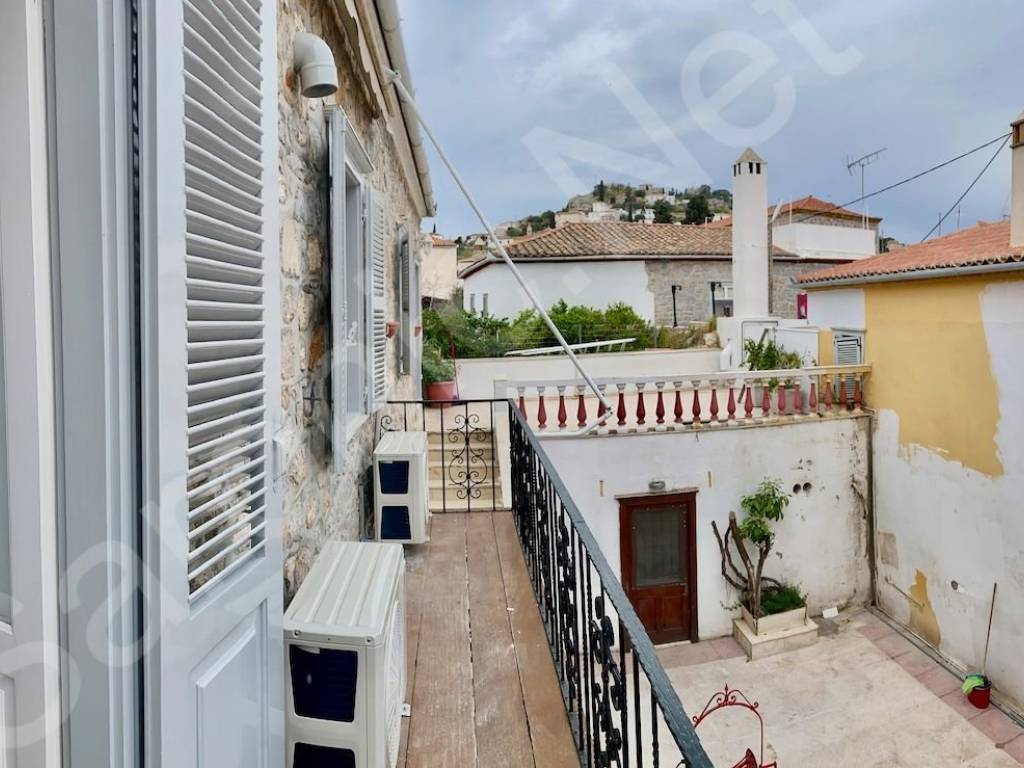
<point>407,100</point>
<point>391,24</point>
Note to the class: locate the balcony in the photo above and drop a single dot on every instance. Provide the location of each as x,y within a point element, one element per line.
<point>693,401</point>
<point>523,647</point>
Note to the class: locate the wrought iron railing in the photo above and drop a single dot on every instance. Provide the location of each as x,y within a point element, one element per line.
<point>463,445</point>
<point>616,692</point>
<point>621,705</point>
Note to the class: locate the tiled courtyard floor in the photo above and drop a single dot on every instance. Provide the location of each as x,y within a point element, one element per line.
<point>863,696</point>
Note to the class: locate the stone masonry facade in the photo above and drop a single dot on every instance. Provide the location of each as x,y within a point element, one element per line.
<point>694,276</point>
<point>320,503</point>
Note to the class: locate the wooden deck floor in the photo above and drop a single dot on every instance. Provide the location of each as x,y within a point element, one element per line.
<point>481,681</point>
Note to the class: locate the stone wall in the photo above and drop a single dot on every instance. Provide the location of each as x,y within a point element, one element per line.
<point>693,299</point>
<point>320,504</point>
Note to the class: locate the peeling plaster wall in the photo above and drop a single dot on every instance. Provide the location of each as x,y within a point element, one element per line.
<point>320,504</point>
<point>821,544</point>
<point>948,488</point>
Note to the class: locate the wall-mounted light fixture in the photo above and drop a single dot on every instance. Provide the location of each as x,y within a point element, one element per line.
<point>314,63</point>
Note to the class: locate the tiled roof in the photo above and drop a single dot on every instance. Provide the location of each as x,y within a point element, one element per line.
<point>587,239</point>
<point>802,207</point>
<point>985,244</point>
<point>441,241</point>
<point>600,241</point>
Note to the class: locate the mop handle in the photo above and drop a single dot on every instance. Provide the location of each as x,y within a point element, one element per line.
<point>988,633</point>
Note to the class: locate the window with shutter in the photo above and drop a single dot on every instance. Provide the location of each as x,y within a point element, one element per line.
<point>405,305</point>
<point>377,362</point>
<point>849,350</point>
<point>224,239</point>
<point>352,281</point>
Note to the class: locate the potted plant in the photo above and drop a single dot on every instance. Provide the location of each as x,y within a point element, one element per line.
<point>766,355</point>
<point>774,614</point>
<point>438,375</point>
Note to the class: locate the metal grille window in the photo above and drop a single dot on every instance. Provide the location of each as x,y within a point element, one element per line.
<point>405,305</point>
<point>224,177</point>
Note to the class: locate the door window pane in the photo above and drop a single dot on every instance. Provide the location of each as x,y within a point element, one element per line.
<point>657,551</point>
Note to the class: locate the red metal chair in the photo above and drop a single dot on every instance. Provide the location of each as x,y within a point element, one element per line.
<point>729,697</point>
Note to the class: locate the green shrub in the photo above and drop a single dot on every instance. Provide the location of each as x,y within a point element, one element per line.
<point>435,366</point>
<point>766,355</point>
<point>782,598</point>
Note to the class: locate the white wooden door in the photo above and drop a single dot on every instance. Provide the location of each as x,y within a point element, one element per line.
<point>29,658</point>
<point>211,384</point>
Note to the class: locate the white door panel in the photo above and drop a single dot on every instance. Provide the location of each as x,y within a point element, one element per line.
<point>211,383</point>
<point>29,682</point>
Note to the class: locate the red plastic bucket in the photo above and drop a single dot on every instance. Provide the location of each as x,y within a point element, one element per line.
<point>981,696</point>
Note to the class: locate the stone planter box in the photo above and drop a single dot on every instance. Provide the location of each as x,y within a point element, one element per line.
<point>773,634</point>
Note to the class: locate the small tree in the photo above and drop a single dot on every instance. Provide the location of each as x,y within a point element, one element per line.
<point>697,210</point>
<point>763,507</point>
<point>663,212</point>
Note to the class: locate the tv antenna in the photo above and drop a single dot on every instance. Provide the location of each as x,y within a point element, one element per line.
<point>862,163</point>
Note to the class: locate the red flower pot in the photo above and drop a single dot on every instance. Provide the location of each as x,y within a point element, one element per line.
<point>445,391</point>
<point>981,696</point>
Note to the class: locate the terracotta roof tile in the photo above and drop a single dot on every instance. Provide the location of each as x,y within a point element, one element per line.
<point>801,208</point>
<point>589,239</point>
<point>981,245</point>
<point>441,241</point>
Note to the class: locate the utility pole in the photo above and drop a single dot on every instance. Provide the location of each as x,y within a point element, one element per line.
<point>862,163</point>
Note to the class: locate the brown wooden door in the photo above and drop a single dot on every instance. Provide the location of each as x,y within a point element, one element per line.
<point>659,566</point>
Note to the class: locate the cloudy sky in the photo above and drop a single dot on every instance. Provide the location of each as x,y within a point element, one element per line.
<point>537,98</point>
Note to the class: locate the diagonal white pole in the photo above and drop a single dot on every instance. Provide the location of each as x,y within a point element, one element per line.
<point>396,79</point>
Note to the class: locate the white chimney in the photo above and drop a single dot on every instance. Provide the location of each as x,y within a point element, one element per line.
<point>1017,183</point>
<point>750,236</point>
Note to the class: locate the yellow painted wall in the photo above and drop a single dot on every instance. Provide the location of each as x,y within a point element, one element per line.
<point>931,365</point>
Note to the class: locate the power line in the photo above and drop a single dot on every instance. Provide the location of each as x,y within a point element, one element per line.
<point>907,180</point>
<point>966,191</point>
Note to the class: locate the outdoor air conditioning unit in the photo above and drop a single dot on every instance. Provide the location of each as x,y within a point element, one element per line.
<point>345,659</point>
<point>400,488</point>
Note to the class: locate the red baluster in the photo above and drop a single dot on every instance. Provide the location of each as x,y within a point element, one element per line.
<point>620,410</point>
<point>562,415</point>
<point>542,411</point>
<point>844,398</point>
<point>812,399</point>
<point>766,400</point>
<point>581,408</point>
<point>659,410</point>
<point>714,401</point>
<point>858,395</point>
<point>522,403</point>
<point>828,395</point>
<point>641,410</point>
<point>748,402</point>
<point>695,408</point>
<point>781,399</point>
<point>798,401</point>
<point>600,402</point>
<point>678,409</point>
<point>731,406</point>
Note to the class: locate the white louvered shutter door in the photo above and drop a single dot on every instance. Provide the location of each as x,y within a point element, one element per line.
<point>378,303</point>
<point>212,380</point>
<point>336,128</point>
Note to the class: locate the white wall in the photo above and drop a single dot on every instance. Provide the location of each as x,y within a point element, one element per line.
<point>439,271</point>
<point>836,308</point>
<point>477,376</point>
<point>821,544</point>
<point>822,241</point>
<point>952,523</point>
<point>595,284</point>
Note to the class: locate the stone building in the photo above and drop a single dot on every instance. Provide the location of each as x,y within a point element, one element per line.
<point>327,488</point>
<point>671,274</point>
